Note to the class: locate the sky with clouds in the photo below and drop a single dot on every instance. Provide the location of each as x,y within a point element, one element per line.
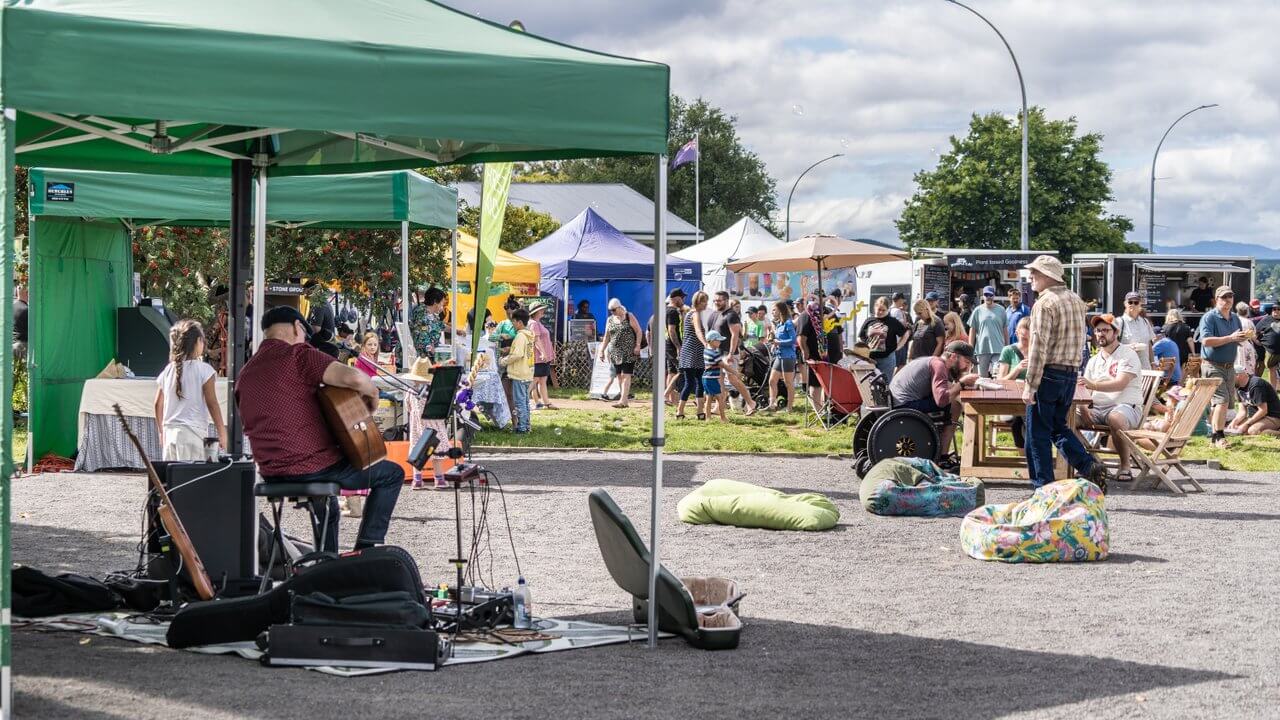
<point>886,83</point>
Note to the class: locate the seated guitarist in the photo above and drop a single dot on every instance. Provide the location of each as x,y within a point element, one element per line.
<point>276,394</point>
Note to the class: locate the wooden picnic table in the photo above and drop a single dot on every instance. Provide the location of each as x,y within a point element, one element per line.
<point>981,407</point>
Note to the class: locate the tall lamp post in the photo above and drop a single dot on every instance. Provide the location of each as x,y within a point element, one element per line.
<point>1151,236</point>
<point>1022,86</point>
<point>797,182</point>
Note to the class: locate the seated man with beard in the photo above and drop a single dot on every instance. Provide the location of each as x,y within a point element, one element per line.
<point>933,384</point>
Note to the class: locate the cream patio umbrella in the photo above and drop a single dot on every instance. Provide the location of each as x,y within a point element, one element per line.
<point>817,252</point>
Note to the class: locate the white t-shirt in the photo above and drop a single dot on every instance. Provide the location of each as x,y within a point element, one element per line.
<point>190,411</point>
<point>1103,367</point>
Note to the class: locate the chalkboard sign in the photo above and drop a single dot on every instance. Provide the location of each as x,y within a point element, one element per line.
<point>937,278</point>
<point>1151,288</point>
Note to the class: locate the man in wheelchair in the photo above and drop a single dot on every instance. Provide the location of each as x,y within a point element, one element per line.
<point>932,385</point>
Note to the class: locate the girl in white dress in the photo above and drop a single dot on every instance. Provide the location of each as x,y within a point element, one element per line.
<point>185,397</point>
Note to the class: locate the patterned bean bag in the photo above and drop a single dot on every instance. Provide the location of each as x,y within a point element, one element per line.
<point>1064,521</point>
<point>729,502</point>
<point>915,486</point>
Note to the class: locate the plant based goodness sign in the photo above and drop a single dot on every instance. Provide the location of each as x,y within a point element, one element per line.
<point>59,192</point>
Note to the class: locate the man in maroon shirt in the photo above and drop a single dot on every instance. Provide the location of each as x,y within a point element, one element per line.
<point>276,394</point>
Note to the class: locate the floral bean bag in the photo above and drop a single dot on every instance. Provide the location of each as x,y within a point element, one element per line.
<point>1063,521</point>
<point>729,502</point>
<point>915,486</point>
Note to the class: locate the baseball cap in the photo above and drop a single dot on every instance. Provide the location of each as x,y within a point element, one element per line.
<point>676,292</point>
<point>837,293</point>
<point>1107,318</point>
<point>1132,296</point>
<point>1223,291</point>
<point>988,291</point>
<point>931,295</point>
<point>961,348</point>
<point>1158,330</point>
<point>714,335</point>
<point>901,296</point>
<point>1255,303</point>
<point>285,314</point>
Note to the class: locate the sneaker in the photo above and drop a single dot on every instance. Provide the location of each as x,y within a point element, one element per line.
<point>441,483</point>
<point>418,484</point>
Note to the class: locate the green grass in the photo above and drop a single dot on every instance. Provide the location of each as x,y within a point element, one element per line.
<point>20,447</point>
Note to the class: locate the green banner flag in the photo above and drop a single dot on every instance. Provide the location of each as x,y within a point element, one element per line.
<point>493,208</point>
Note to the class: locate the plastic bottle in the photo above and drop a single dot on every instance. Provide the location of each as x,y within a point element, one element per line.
<point>521,606</point>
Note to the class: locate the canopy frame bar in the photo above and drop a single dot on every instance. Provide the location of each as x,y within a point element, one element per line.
<point>389,145</point>
<point>120,133</point>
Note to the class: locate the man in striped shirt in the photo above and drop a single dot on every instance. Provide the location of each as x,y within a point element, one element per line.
<point>1053,362</point>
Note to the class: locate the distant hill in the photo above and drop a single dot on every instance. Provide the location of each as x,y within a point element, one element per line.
<point>1214,248</point>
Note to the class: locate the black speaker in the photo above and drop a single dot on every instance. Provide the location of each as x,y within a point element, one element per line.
<point>215,503</point>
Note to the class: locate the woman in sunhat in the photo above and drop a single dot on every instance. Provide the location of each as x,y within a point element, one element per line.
<point>544,353</point>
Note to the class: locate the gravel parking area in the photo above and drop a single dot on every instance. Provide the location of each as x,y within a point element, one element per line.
<point>880,617</point>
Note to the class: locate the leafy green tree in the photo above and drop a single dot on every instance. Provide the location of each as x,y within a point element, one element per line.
<point>522,226</point>
<point>972,198</point>
<point>734,181</point>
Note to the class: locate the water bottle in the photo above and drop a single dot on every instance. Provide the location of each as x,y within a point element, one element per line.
<point>521,606</point>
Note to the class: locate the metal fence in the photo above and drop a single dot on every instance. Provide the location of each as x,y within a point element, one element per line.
<point>573,367</point>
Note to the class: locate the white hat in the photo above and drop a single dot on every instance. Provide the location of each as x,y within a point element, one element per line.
<point>1047,265</point>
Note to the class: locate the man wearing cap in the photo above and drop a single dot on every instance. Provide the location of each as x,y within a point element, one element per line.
<point>1135,329</point>
<point>1261,406</point>
<point>1220,330</point>
<point>987,327</point>
<point>1202,296</point>
<point>1112,375</point>
<point>1017,310</point>
<point>931,297</point>
<point>674,322</point>
<point>933,384</point>
<point>276,395</point>
<point>1053,361</point>
<point>1268,329</point>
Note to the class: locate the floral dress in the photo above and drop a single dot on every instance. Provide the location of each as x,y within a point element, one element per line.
<point>426,328</point>
<point>620,340</point>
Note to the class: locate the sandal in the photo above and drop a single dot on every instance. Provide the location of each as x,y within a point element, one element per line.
<point>1124,476</point>
<point>752,411</point>
<point>702,416</point>
<point>620,406</point>
<point>679,416</point>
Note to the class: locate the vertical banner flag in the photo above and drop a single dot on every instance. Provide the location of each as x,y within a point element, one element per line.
<point>493,208</point>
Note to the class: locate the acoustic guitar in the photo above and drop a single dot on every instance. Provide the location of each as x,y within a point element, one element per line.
<point>169,520</point>
<point>354,428</point>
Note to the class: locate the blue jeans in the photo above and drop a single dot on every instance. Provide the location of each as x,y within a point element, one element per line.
<point>886,365</point>
<point>520,396</point>
<point>1046,426</point>
<point>383,481</point>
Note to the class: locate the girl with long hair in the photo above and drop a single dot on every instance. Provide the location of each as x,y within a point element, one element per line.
<point>367,360</point>
<point>186,397</point>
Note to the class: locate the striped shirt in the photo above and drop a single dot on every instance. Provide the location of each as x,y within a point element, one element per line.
<point>1057,332</point>
<point>711,361</point>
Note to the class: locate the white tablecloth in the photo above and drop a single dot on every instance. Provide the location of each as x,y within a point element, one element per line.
<point>136,397</point>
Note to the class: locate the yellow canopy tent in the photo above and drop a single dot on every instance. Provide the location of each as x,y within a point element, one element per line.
<point>512,275</point>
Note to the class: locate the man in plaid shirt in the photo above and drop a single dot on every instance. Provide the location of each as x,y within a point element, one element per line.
<point>1053,362</point>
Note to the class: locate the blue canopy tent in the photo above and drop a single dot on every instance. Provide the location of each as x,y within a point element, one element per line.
<point>589,259</point>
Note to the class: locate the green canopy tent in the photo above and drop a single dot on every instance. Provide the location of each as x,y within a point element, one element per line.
<point>81,262</point>
<point>301,87</point>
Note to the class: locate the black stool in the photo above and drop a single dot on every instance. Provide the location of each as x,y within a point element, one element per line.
<point>301,494</point>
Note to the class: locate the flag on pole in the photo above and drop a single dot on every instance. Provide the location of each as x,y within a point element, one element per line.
<point>494,185</point>
<point>686,154</point>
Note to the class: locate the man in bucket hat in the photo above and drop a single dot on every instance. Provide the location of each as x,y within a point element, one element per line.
<point>1053,363</point>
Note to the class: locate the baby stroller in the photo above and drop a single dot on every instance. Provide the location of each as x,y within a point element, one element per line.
<point>756,362</point>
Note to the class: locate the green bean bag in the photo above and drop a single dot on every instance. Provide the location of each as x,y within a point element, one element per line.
<point>915,486</point>
<point>729,502</point>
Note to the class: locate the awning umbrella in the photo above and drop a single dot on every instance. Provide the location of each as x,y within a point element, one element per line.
<point>817,252</point>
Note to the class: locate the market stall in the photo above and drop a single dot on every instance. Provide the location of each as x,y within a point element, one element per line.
<point>82,271</point>
<point>743,238</point>
<point>1163,281</point>
<point>512,275</point>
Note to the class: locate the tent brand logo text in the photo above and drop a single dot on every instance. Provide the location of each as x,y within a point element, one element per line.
<point>60,192</point>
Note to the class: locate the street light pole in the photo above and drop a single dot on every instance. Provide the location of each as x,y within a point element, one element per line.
<point>1151,231</point>
<point>1025,120</point>
<point>797,182</point>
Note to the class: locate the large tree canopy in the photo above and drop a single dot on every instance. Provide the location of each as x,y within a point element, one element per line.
<point>733,179</point>
<point>971,199</point>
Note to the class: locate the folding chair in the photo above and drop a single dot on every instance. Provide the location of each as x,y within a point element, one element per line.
<point>1162,451</point>
<point>840,390</point>
<point>1102,432</point>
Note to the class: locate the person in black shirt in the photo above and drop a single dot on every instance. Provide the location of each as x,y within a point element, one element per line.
<point>884,334</point>
<point>584,311</point>
<point>1180,333</point>
<point>674,322</point>
<point>1268,336</point>
<point>20,324</point>
<point>927,333</point>
<point>1261,406</point>
<point>728,322</point>
<point>835,338</point>
<point>1202,296</point>
<point>324,327</point>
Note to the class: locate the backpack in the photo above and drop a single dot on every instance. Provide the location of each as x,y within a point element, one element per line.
<point>644,337</point>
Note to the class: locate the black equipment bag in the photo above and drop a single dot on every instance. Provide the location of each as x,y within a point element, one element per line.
<point>373,570</point>
<point>36,594</point>
<point>318,645</point>
<point>397,609</point>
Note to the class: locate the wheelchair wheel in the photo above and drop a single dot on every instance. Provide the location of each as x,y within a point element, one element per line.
<point>862,431</point>
<point>902,433</point>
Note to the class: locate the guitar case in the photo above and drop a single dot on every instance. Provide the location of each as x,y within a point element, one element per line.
<point>373,570</point>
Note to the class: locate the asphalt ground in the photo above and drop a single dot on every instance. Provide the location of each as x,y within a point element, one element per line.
<point>879,617</point>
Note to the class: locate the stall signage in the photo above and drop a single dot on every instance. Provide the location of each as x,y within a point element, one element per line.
<point>986,262</point>
<point>1151,287</point>
<point>60,192</point>
<point>937,278</point>
<point>284,289</point>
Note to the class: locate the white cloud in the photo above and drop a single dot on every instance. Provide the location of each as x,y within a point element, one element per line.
<point>896,79</point>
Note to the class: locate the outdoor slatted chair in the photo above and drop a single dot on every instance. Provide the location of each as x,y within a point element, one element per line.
<point>1158,453</point>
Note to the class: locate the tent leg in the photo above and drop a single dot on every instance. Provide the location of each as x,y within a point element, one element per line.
<point>567,310</point>
<point>453,293</point>
<point>241,189</point>
<point>404,291</point>
<point>259,254</point>
<point>657,353</point>
<point>7,210</point>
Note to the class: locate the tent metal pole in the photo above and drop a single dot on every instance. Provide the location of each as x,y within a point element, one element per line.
<point>453,291</point>
<point>404,291</point>
<point>657,352</point>
<point>7,209</point>
<point>241,190</point>
<point>566,310</point>
<point>259,253</point>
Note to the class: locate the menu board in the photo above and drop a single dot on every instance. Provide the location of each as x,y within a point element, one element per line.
<point>937,278</point>
<point>1151,287</point>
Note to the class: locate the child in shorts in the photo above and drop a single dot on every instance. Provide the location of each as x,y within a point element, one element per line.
<point>713,366</point>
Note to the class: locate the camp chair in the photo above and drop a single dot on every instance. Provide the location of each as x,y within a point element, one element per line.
<point>709,626</point>
<point>1168,445</point>
<point>840,393</point>
<point>1101,443</point>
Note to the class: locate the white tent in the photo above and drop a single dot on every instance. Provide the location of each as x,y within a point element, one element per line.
<point>743,238</point>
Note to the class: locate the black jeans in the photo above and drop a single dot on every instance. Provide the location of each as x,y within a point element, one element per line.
<point>692,383</point>
<point>1046,427</point>
<point>383,480</point>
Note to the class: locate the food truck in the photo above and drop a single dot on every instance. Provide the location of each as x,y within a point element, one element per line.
<point>949,272</point>
<point>1163,281</point>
